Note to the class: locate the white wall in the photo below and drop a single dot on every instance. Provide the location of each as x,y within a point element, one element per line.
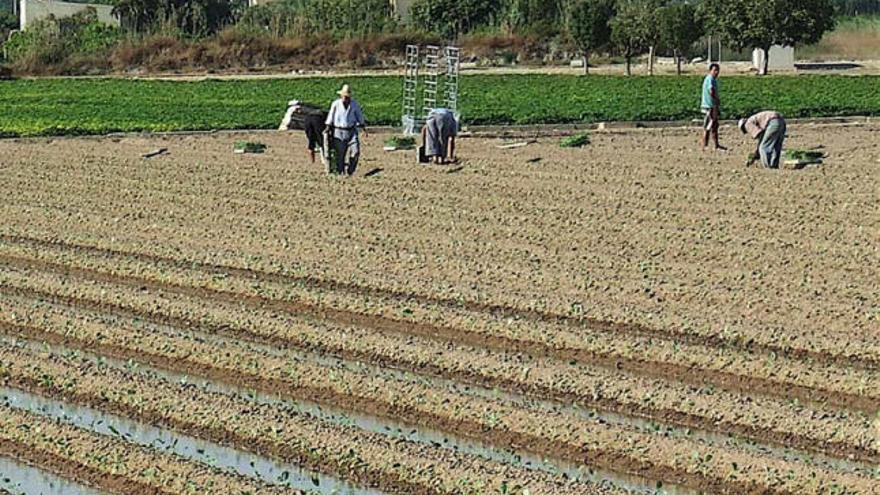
<point>781,58</point>
<point>402,8</point>
<point>34,10</point>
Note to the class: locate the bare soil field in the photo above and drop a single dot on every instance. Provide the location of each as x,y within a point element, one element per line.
<point>634,316</point>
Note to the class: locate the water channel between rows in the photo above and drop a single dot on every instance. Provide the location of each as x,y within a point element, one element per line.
<point>19,478</point>
<point>267,470</point>
<point>519,400</point>
<point>433,437</point>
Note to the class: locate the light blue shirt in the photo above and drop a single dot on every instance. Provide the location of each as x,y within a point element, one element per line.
<point>345,118</point>
<point>709,83</point>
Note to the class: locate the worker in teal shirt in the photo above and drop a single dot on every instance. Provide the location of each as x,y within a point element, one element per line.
<point>711,107</point>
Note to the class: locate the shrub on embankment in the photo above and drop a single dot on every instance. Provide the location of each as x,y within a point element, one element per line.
<point>88,49</point>
<point>96,106</point>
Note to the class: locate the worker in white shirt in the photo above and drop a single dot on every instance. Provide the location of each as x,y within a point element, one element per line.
<point>343,121</point>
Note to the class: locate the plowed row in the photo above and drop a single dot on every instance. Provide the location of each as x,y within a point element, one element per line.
<point>650,318</point>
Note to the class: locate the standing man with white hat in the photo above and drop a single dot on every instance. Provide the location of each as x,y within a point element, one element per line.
<point>344,120</point>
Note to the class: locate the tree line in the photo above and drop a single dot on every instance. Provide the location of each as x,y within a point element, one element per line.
<point>634,27</point>
<point>627,28</point>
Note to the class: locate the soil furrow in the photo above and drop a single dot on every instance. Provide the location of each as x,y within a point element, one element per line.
<point>744,280</point>
<point>383,426</point>
<point>475,376</point>
<point>176,210</point>
<point>543,446</point>
<point>63,467</point>
<point>596,321</point>
<point>174,453</point>
<point>18,477</point>
<point>396,466</point>
<point>670,371</point>
<point>494,310</point>
<point>481,420</point>
<point>111,463</point>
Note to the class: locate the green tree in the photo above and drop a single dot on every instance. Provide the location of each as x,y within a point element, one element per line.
<point>763,23</point>
<point>452,18</point>
<point>191,17</point>
<point>53,41</point>
<point>589,26</point>
<point>633,29</point>
<point>680,27</point>
<point>539,17</point>
<point>8,22</point>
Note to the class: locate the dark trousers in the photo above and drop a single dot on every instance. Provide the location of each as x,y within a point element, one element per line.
<point>345,141</point>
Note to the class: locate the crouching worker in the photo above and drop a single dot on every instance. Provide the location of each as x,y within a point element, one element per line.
<point>438,136</point>
<point>314,125</point>
<point>309,118</point>
<point>343,121</point>
<point>769,129</point>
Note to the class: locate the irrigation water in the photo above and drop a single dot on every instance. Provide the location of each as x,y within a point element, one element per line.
<point>270,471</point>
<point>18,478</point>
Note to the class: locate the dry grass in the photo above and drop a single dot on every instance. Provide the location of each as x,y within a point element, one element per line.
<point>237,50</point>
<point>854,39</point>
<point>508,46</point>
<point>230,50</point>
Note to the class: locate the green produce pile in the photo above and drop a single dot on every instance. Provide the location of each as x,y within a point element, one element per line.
<point>249,147</point>
<point>98,106</point>
<point>576,141</point>
<point>401,142</point>
<point>803,155</point>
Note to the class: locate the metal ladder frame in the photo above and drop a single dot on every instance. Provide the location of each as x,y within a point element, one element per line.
<point>410,90</point>
<point>436,67</point>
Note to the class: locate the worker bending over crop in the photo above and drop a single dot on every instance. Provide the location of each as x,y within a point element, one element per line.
<point>769,129</point>
<point>309,118</point>
<point>344,120</point>
<point>314,127</point>
<point>438,135</point>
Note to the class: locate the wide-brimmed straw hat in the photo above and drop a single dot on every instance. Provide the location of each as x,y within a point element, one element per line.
<point>345,91</point>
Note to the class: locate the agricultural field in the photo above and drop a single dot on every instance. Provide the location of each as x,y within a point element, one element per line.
<point>628,317</point>
<point>98,106</point>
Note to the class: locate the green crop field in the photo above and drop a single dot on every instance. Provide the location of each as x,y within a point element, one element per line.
<point>96,106</point>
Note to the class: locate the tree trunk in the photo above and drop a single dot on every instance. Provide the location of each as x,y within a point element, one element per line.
<point>677,61</point>
<point>651,61</point>
<point>628,63</point>
<point>586,64</point>
<point>766,64</point>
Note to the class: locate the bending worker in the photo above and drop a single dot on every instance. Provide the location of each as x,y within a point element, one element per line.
<point>314,127</point>
<point>769,129</point>
<point>438,135</point>
<point>343,121</point>
<point>309,118</point>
